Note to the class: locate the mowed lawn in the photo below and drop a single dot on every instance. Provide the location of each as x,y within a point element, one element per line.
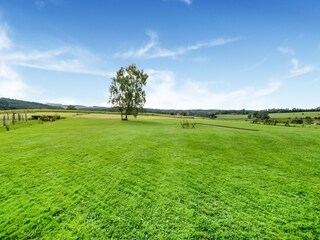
<point>87,178</point>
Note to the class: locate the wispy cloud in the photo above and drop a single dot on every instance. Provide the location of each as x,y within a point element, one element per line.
<point>256,64</point>
<point>152,50</point>
<point>40,4</point>
<point>286,50</point>
<point>299,69</point>
<point>271,88</point>
<point>5,42</point>
<point>165,91</point>
<point>63,59</point>
<point>188,2</point>
<point>12,85</point>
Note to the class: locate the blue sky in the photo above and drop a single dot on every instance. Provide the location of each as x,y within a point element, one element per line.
<point>226,54</point>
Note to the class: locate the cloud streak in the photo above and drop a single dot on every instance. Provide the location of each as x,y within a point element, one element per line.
<point>164,91</point>
<point>152,50</point>
<point>66,59</point>
<point>63,59</point>
<point>286,51</point>
<point>11,84</point>
<point>5,42</point>
<point>299,69</point>
<point>188,2</point>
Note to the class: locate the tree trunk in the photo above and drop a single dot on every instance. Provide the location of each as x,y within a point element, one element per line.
<point>126,116</point>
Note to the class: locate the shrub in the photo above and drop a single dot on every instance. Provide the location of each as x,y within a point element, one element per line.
<point>212,116</point>
<point>308,120</point>
<point>56,117</point>
<point>297,121</point>
<point>255,121</point>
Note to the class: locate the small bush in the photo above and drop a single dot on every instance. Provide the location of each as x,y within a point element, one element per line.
<point>297,121</point>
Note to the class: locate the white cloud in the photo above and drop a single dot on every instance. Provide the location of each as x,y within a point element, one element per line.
<point>151,49</point>
<point>256,64</point>
<point>5,42</point>
<point>299,69</point>
<point>70,59</point>
<point>11,84</point>
<point>188,2</point>
<point>271,88</point>
<point>64,59</point>
<point>40,4</point>
<point>141,52</point>
<point>44,3</point>
<point>164,91</point>
<point>286,50</point>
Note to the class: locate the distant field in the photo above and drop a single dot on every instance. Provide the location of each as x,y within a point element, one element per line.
<point>272,115</point>
<point>294,115</point>
<point>96,177</point>
<point>232,116</point>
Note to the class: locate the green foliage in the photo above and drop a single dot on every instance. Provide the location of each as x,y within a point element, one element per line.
<point>63,181</point>
<point>7,104</point>
<point>297,121</point>
<point>308,120</point>
<point>261,115</point>
<point>71,107</point>
<point>126,91</point>
<point>212,116</point>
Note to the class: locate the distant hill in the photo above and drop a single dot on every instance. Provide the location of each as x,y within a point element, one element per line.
<point>80,107</point>
<point>9,104</point>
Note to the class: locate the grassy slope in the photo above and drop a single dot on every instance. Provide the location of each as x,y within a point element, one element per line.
<point>294,115</point>
<point>272,115</point>
<point>149,178</point>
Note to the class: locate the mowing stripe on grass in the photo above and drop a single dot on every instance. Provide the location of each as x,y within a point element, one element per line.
<point>219,126</point>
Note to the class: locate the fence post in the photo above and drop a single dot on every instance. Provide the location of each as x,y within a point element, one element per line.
<point>13,118</point>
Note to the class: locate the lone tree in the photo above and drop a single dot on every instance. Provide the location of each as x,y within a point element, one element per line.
<point>126,91</point>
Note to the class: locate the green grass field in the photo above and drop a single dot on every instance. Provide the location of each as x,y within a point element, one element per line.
<point>93,176</point>
<point>295,115</point>
<point>272,115</point>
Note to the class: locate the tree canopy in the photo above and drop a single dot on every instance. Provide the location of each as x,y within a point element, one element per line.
<point>126,91</point>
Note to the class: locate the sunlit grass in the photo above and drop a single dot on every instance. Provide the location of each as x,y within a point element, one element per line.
<point>96,177</point>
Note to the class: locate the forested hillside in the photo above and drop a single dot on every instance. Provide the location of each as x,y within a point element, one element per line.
<point>8,104</point>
